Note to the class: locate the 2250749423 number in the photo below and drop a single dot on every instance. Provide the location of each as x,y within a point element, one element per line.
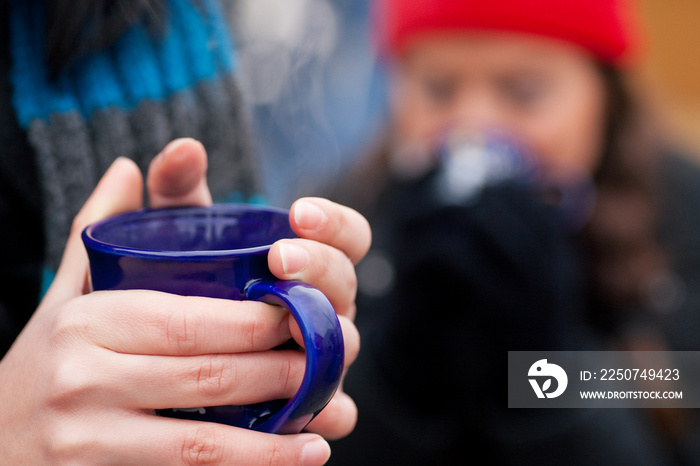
<point>636,374</point>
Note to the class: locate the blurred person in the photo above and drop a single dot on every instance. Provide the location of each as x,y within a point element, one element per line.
<point>586,240</point>
<point>95,87</point>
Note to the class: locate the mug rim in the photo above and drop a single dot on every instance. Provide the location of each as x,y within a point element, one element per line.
<point>91,242</point>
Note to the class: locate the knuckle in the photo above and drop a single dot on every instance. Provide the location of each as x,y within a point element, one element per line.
<point>351,337</point>
<point>346,285</point>
<point>181,332</point>
<point>203,445</point>
<point>216,375</point>
<point>351,282</point>
<point>354,232</point>
<point>252,329</point>
<point>338,418</point>
<point>278,455</point>
<point>291,370</point>
<point>367,236</point>
<point>68,327</point>
<point>62,447</point>
<point>350,311</point>
<point>285,375</point>
<point>65,443</point>
<point>258,330</point>
<point>69,385</point>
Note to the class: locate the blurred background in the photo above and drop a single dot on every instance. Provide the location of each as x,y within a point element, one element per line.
<point>317,97</point>
<point>315,92</point>
<point>672,69</point>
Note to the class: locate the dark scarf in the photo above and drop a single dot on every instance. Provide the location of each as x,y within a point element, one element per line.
<point>129,100</point>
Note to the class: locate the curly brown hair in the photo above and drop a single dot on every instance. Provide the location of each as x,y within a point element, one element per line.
<point>623,250</point>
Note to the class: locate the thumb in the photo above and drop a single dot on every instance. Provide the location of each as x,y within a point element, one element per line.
<point>120,190</point>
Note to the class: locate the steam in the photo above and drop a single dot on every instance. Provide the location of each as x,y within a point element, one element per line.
<point>279,37</point>
<point>284,51</point>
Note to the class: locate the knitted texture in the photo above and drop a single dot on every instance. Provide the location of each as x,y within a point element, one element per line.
<point>606,28</point>
<point>129,100</point>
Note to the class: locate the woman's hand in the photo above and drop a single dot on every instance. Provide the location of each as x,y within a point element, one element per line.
<point>81,381</point>
<point>332,239</point>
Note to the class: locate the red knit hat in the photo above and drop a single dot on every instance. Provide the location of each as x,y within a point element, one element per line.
<point>607,28</point>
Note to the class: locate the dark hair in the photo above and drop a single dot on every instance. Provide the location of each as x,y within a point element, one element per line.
<point>75,27</point>
<point>624,252</point>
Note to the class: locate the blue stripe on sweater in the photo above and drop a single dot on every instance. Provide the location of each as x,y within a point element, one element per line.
<point>197,47</point>
<point>220,32</point>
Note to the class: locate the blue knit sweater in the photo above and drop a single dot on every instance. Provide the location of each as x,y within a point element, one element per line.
<point>129,100</point>
<point>60,135</point>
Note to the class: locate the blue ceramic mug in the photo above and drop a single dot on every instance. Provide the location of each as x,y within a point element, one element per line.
<point>221,252</point>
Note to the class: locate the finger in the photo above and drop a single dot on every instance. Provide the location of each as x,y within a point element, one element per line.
<point>120,190</point>
<point>338,418</point>
<point>332,224</point>
<point>319,265</point>
<point>151,322</point>
<point>150,440</point>
<point>351,338</point>
<point>162,382</point>
<point>177,176</point>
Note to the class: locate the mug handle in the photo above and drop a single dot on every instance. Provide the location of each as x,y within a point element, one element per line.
<point>325,350</point>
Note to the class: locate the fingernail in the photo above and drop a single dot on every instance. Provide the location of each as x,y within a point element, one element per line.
<point>294,258</point>
<point>119,160</point>
<point>309,216</point>
<point>315,453</point>
<point>169,149</point>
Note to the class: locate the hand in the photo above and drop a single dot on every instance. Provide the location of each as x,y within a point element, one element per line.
<point>80,382</point>
<point>333,238</point>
